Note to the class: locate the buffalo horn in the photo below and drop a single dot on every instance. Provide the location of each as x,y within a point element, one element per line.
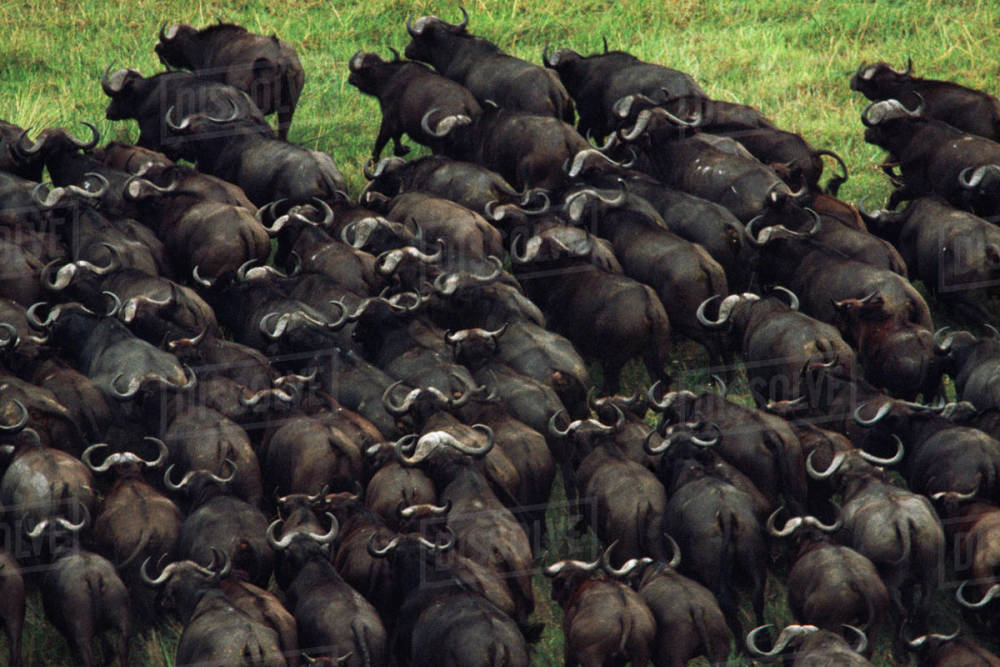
<point>992,593</point>
<point>161,456</point>
<point>891,461</point>
<point>400,409</point>
<point>909,68</point>
<point>787,635</point>
<point>284,542</point>
<point>556,568</point>
<point>85,457</point>
<point>883,410</point>
<point>160,580</point>
<point>837,461</point>
<point>384,551</point>
<point>862,645</point>
<point>793,301</point>
<point>21,422</point>
<point>917,642</point>
<point>675,549</point>
<point>176,486</point>
<point>790,526</point>
<point>554,425</point>
<point>232,473</point>
<point>626,567</point>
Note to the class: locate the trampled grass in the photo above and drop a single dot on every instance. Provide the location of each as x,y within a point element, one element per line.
<point>789,58</point>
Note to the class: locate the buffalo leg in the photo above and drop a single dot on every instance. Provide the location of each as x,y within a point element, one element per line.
<point>399,149</point>
<point>656,366</point>
<point>898,195</point>
<point>612,369</point>
<point>384,134</point>
<point>284,122</point>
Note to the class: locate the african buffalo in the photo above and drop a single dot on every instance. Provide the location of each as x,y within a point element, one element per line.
<point>265,68</point>
<point>969,110</point>
<point>406,91</point>
<point>485,70</point>
<point>598,81</point>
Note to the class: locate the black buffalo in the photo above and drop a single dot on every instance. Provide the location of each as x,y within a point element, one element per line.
<point>406,91</point>
<point>265,68</point>
<point>487,71</point>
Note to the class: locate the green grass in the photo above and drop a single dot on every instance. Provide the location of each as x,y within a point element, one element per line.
<point>789,58</point>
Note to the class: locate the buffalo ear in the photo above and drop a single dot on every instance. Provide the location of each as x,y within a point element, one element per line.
<point>993,253</point>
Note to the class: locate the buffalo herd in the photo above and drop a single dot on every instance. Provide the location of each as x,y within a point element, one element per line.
<point>317,428</point>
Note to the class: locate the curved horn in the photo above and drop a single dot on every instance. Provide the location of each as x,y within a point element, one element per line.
<point>184,342</point>
<point>581,158</point>
<point>530,250</point>
<point>161,457</point>
<point>943,346</point>
<point>402,408</point>
<point>556,568</point>
<point>723,388</point>
<point>425,124</point>
<point>465,19</point>
<point>653,450</point>
<point>883,410</point>
<point>786,636</point>
<point>176,486</point>
<point>626,567</point>
<point>384,551</point>
<point>85,457</point>
<point>232,473</point>
<point>490,277</point>
<point>160,580</point>
<point>132,189</point>
<point>917,642</point>
<point>668,399</point>
<point>992,593</point>
<point>675,549</point>
<point>641,123</point>
<point>592,401</point>
<point>32,315</point>
<point>12,340</point>
<point>891,461</point>
<point>75,527</point>
<point>433,510</point>
<point>909,68</point>
<point>790,526</point>
<point>725,310</point>
<point>21,422</point>
<point>95,136</point>
<point>618,423</point>
<point>554,426</point>
<point>475,451</point>
<point>276,544</point>
<point>819,525</point>
<point>106,81</point>
<point>414,32</point>
<point>793,301</point>
<point>705,322</point>
<point>227,564</point>
<point>330,535</point>
<point>131,390</point>
<point>958,495</point>
<point>204,282</point>
<point>835,464</point>
<point>862,645</point>
<point>708,443</point>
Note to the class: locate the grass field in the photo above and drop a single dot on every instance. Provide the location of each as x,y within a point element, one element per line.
<point>791,59</point>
